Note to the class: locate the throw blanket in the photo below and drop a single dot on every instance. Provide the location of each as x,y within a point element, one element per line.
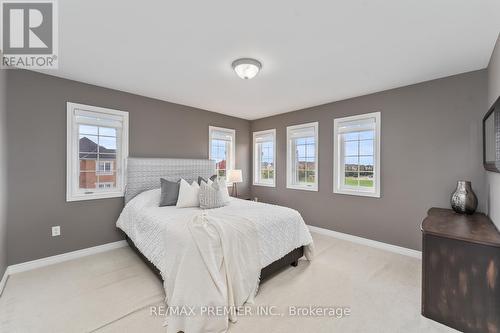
<point>211,274</point>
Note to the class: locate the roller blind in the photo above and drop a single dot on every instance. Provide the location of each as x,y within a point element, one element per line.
<point>366,124</point>
<point>264,138</point>
<point>222,135</point>
<point>303,132</point>
<point>97,119</point>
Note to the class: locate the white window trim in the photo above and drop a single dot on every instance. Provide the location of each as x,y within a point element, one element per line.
<point>72,156</point>
<point>231,132</point>
<point>256,159</point>
<point>289,155</point>
<point>337,149</point>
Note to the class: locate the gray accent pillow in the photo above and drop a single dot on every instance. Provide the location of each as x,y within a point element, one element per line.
<point>212,196</point>
<point>200,179</point>
<point>169,192</point>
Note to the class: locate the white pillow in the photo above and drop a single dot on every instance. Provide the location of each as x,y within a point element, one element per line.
<point>209,182</point>
<point>188,195</point>
<point>211,196</point>
<point>223,186</point>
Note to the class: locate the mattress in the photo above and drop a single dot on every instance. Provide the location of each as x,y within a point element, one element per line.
<point>280,229</point>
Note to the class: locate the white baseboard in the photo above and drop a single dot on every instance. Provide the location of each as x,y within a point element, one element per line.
<point>3,281</point>
<point>29,265</point>
<point>368,242</point>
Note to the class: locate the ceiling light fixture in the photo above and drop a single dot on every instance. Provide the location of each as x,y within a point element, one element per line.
<point>246,68</point>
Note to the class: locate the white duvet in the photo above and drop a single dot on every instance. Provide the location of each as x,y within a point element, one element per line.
<point>205,250</point>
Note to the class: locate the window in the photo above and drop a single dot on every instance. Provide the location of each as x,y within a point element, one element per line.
<point>97,148</point>
<point>222,143</point>
<point>302,157</point>
<point>264,152</point>
<point>104,168</point>
<point>357,155</point>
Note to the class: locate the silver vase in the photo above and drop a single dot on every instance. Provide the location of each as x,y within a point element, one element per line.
<point>464,200</point>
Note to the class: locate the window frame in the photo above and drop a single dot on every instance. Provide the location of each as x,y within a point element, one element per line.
<point>289,168</point>
<point>232,150</point>
<point>338,158</point>
<point>256,159</point>
<point>72,158</point>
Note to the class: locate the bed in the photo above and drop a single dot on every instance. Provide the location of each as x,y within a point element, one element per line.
<point>281,232</point>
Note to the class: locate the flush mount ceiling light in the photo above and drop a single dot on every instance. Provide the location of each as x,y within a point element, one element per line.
<point>246,68</point>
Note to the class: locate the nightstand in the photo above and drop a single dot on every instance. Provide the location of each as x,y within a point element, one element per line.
<point>460,271</point>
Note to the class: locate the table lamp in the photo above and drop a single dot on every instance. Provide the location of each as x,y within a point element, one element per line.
<point>234,177</point>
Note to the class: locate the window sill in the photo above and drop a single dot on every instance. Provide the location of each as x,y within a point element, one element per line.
<point>94,196</point>
<point>264,185</point>
<point>302,188</point>
<point>357,193</point>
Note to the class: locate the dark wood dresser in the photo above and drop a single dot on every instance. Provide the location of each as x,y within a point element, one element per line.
<point>461,271</point>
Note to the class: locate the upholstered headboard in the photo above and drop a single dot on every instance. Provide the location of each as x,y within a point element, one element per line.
<point>144,173</point>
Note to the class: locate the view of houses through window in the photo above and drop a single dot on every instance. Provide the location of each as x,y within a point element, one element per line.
<point>358,158</point>
<point>97,148</point>
<point>356,155</point>
<point>105,167</point>
<point>97,154</point>
<point>266,161</point>
<point>222,150</point>
<point>305,158</point>
<point>302,151</point>
<point>264,157</point>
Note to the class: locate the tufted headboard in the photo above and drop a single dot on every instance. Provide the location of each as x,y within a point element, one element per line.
<point>144,173</point>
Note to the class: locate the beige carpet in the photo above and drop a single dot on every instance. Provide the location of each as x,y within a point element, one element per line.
<point>113,292</point>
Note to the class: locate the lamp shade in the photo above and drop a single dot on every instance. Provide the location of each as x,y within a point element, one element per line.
<point>235,176</point>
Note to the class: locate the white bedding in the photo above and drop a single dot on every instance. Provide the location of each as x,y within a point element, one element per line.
<point>280,229</point>
<point>219,269</point>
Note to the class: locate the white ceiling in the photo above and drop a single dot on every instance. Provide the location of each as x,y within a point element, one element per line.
<point>313,52</point>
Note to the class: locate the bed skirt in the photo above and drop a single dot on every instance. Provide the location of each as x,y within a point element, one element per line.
<point>289,259</point>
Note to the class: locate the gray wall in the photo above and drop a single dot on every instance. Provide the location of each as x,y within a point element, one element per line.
<point>493,179</point>
<point>36,160</point>
<point>431,137</point>
<point>3,160</point>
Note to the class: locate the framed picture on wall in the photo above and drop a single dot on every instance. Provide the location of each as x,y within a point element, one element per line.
<point>491,138</point>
